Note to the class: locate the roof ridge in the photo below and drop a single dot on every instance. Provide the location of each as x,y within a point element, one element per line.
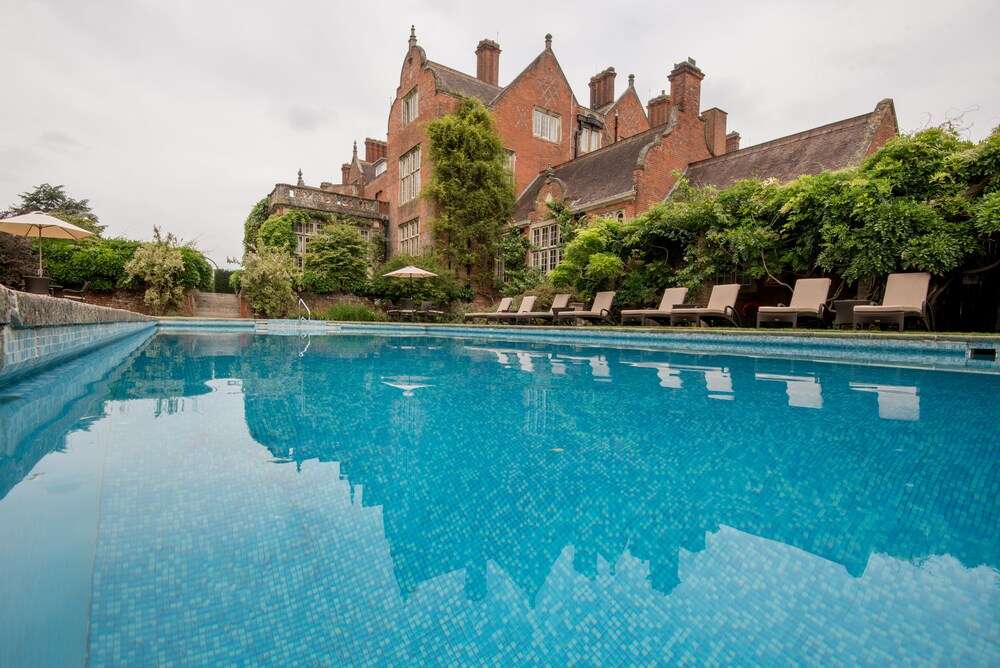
<point>431,63</point>
<point>791,139</point>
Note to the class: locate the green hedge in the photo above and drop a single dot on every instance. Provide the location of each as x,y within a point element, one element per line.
<point>102,263</point>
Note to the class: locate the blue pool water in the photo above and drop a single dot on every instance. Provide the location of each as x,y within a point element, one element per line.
<point>230,499</point>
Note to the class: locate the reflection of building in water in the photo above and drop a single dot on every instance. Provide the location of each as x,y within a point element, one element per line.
<point>460,489</point>
<point>599,368</point>
<point>895,402</point>
<point>802,391</point>
<point>528,361</point>
<point>718,380</point>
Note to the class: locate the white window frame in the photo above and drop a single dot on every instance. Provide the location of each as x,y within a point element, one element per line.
<point>380,167</point>
<point>590,139</point>
<point>409,174</point>
<point>545,253</point>
<point>546,125</point>
<point>409,237</point>
<point>411,106</point>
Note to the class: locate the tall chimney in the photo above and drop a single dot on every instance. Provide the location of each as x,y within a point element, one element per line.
<point>374,149</point>
<point>658,109</point>
<point>345,172</point>
<point>602,88</point>
<point>732,142</point>
<point>715,130</point>
<point>488,61</point>
<point>685,87</point>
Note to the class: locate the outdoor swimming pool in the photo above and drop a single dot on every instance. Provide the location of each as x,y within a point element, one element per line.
<point>234,498</point>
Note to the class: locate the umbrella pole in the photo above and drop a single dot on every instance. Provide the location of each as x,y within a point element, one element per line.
<point>39,251</point>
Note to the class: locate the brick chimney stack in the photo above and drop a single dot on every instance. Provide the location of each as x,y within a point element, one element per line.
<point>715,130</point>
<point>685,87</point>
<point>375,150</point>
<point>345,172</point>
<point>658,109</point>
<point>602,88</point>
<point>732,142</point>
<point>488,61</point>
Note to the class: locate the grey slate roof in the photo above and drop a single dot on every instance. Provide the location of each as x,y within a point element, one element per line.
<point>457,82</point>
<point>828,147</point>
<point>595,176</point>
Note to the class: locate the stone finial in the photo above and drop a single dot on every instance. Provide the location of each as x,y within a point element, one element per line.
<point>355,155</point>
<point>413,36</point>
<point>549,172</point>
<point>631,80</point>
<point>300,182</point>
<point>548,41</point>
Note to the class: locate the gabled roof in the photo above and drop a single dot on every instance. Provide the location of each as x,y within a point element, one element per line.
<point>829,147</point>
<point>600,175</point>
<point>459,83</point>
<point>367,171</point>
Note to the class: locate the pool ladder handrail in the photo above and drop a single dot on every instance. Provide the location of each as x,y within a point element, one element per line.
<point>298,310</point>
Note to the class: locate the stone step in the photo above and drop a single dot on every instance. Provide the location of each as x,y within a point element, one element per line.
<point>214,313</point>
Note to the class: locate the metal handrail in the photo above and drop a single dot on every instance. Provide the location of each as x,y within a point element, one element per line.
<point>298,310</point>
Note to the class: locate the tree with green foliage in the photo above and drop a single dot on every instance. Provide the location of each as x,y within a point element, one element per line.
<point>471,188</point>
<point>268,280</point>
<point>595,259</point>
<point>16,259</point>
<point>159,265</point>
<point>251,226</point>
<point>925,202</point>
<point>54,201</point>
<point>336,260</point>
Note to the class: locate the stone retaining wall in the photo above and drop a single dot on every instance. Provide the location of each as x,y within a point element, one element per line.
<point>37,330</point>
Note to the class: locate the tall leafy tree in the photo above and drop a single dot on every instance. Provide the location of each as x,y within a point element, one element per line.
<point>54,200</point>
<point>336,259</point>
<point>472,189</point>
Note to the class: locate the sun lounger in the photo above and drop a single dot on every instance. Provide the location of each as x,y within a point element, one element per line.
<point>808,302</point>
<point>599,310</point>
<point>503,306</point>
<point>721,306</point>
<point>559,303</point>
<point>527,303</point>
<point>905,297</point>
<point>671,297</point>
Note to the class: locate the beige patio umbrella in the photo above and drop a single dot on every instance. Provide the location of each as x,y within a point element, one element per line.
<point>411,272</point>
<point>42,226</point>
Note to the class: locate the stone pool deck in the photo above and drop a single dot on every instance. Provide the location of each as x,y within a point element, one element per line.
<point>37,331</point>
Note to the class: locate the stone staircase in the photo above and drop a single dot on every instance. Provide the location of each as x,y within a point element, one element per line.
<point>215,305</point>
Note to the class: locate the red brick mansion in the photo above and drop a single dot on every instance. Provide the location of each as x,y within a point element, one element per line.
<point>611,156</point>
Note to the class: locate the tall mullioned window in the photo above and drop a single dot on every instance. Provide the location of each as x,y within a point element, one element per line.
<point>545,247</point>
<point>409,175</point>
<point>409,237</point>
<point>547,125</point>
<point>411,108</point>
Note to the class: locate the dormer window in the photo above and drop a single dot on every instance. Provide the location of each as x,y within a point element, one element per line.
<point>411,106</point>
<point>380,167</point>
<point>590,139</point>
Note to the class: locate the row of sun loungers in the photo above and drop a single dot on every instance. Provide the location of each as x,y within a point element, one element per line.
<point>905,297</point>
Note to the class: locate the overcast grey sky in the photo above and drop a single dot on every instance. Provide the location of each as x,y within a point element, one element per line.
<point>183,113</point>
